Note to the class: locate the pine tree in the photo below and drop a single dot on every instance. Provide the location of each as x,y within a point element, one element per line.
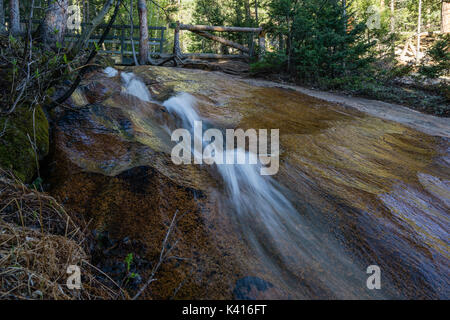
<point>319,41</point>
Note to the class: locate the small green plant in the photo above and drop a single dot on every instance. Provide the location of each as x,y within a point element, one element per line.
<point>130,275</point>
<point>129,261</point>
<point>12,40</point>
<point>37,183</point>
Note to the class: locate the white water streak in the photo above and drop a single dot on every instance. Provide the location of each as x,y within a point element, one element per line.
<point>135,87</point>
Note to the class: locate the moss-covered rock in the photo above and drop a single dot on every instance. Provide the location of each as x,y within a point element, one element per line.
<point>22,128</point>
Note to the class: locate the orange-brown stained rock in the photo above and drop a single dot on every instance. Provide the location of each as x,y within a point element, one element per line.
<point>377,186</point>
<point>139,204</point>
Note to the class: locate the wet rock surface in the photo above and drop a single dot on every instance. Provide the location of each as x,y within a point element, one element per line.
<point>376,187</point>
<point>110,163</point>
<point>253,288</point>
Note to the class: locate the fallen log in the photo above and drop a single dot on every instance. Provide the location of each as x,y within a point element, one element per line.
<point>224,41</point>
<point>191,27</point>
<point>214,56</point>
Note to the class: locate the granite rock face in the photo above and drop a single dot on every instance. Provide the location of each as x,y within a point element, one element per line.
<point>375,189</point>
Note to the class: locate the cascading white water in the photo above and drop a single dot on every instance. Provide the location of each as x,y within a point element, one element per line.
<point>183,105</point>
<point>110,72</point>
<point>271,224</point>
<point>284,241</point>
<point>135,87</point>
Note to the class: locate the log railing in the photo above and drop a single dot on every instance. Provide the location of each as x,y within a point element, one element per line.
<point>118,42</point>
<point>204,31</point>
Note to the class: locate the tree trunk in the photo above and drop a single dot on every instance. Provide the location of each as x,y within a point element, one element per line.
<point>14,17</point>
<point>176,41</point>
<point>289,44</point>
<point>280,43</point>
<point>445,15</point>
<point>392,28</point>
<point>256,13</point>
<point>55,22</point>
<point>87,11</point>
<point>143,32</point>
<point>419,24</point>
<point>262,44</point>
<point>2,16</point>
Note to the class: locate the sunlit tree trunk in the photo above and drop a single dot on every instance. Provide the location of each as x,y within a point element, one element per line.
<point>55,22</point>
<point>14,17</point>
<point>280,42</point>
<point>445,15</point>
<point>87,10</point>
<point>289,42</point>
<point>419,25</point>
<point>176,41</point>
<point>143,32</point>
<point>392,28</point>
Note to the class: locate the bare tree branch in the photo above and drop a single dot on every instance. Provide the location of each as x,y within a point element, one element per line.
<point>92,55</point>
<point>163,256</point>
<point>93,24</point>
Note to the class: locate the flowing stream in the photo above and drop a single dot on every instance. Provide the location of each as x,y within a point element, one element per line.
<point>284,241</point>
<point>353,190</point>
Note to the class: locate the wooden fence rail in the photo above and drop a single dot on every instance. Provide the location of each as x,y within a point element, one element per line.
<point>119,35</point>
<point>204,31</point>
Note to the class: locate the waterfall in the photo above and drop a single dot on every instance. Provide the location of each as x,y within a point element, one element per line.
<point>135,87</point>
<point>273,228</point>
<point>284,241</point>
<point>183,105</point>
<point>110,72</point>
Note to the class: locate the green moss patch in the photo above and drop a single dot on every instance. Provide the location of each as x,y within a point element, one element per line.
<point>16,150</point>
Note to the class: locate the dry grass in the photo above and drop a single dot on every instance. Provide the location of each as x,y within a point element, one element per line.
<point>38,241</point>
<point>29,208</point>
